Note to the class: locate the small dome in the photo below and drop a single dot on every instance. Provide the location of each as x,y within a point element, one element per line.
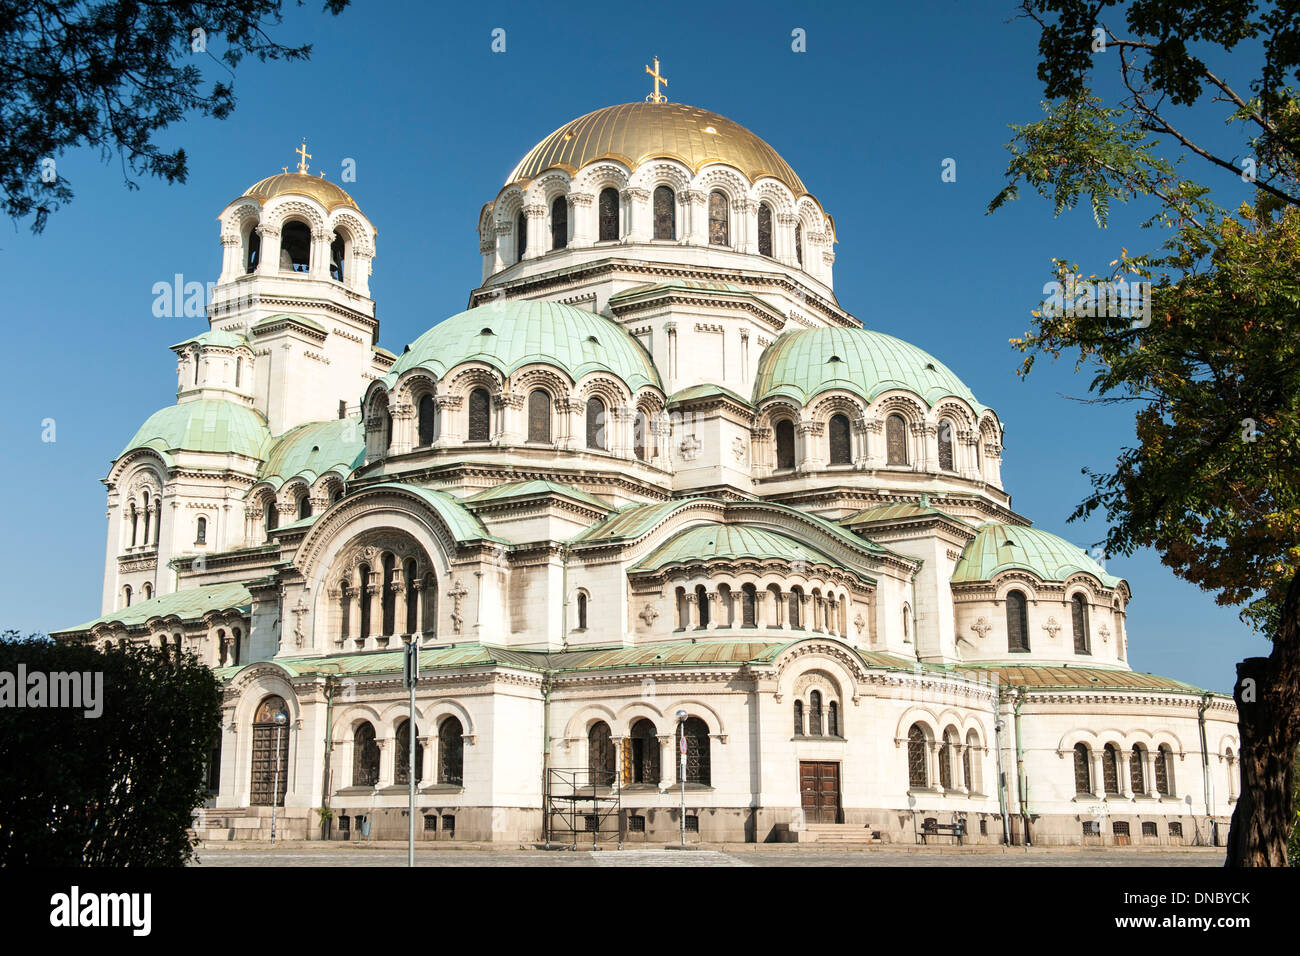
<point>805,363</point>
<point>312,449</point>
<point>510,335</point>
<point>634,133</point>
<point>999,547</point>
<point>724,542</point>
<point>301,184</point>
<point>207,425</point>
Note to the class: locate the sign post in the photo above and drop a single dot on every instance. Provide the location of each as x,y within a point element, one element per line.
<point>410,677</point>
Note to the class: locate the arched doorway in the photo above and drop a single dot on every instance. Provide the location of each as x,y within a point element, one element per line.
<point>270,776</point>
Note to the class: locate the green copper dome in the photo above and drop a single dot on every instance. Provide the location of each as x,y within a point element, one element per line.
<point>313,449</point>
<point>209,425</point>
<point>1000,547</point>
<point>723,542</point>
<point>510,335</point>
<point>803,364</point>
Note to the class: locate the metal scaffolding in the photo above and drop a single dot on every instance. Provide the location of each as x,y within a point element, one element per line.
<point>578,805</point>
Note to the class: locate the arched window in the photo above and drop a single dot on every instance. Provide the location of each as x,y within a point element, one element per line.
<point>239,367</point>
<point>272,516</point>
<point>785,443</point>
<point>815,713</point>
<point>1110,769</point>
<point>641,436</point>
<point>388,597</point>
<point>596,424</point>
<point>201,530</point>
<point>1162,774</point>
<point>521,236</point>
<point>895,440</point>
<point>748,606</point>
<point>796,608</point>
<point>1137,771</point>
<point>833,719</point>
<point>126,596</point>
<point>559,223</point>
<point>337,496</point>
<point>600,755</point>
<point>644,741</point>
<point>702,601</point>
<point>338,255</point>
<point>798,718</point>
<point>135,523</point>
<point>451,752</point>
<point>726,606</point>
<point>665,213</point>
<point>1230,759</point>
<point>295,247</point>
<point>945,445</point>
<point>409,578</point>
<point>582,611</point>
<point>539,415</point>
<point>365,756</point>
<point>907,623</point>
<point>609,226</point>
<point>798,242</point>
<point>304,506</point>
<point>1082,769</point>
<point>918,776</point>
<point>945,758</point>
<point>270,767</point>
<point>718,231</point>
<point>764,230</point>
<point>236,639</point>
<point>427,417</point>
<point>148,515</point>
<point>969,762</point>
<point>148,590</point>
<point>429,622</point>
<point>1079,620</point>
<point>254,252</point>
<point>480,415</point>
<point>363,572</point>
<point>696,733</point>
<point>841,454</point>
<point>402,754</point>
<point>1017,623</point>
<point>683,610</point>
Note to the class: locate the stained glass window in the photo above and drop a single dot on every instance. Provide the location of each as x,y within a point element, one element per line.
<point>945,445</point>
<point>402,755</point>
<point>1082,769</point>
<point>595,424</point>
<point>718,232</point>
<point>1017,622</point>
<point>697,749</point>
<point>600,755</point>
<point>365,756</point>
<point>480,415</point>
<point>539,415</point>
<point>764,229</point>
<point>785,444</point>
<point>451,752</point>
<point>425,415</point>
<point>665,213</point>
<point>559,223</point>
<point>609,214</point>
<point>896,440</point>
<point>916,770</point>
<point>839,440</point>
<point>1079,619</point>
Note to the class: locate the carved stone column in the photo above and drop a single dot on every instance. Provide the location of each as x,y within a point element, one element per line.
<point>581,219</point>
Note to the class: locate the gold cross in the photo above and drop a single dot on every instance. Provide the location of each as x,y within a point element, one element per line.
<point>304,156</point>
<point>656,96</point>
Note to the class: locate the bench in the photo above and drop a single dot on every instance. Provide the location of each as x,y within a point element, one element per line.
<point>932,827</point>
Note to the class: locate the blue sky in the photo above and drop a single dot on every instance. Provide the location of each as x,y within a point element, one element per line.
<point>435,120</point>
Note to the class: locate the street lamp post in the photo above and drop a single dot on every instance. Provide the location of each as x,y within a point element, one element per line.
<point>681,767</point>
<point>280,719</point>
<point>411,677</point>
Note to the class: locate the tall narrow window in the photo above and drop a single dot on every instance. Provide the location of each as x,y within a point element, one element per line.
<point>917,775</point>
<point>718,224</point>
<point>254,252</point>
<point>641,436</point>
<point>480,415</point>
<point>643,753</point>
<point>833,719</point>
<point>388,597</point>
<point>796,608</point>
<point>609,226</point>
<point>764,230</point>
<point>148,516</point>
<point>365,756</point>
<point>147,593</point>
<point>366,589</point>
<point>815,713</point>
<point>427,415</point>
<point>402,755</point>
<point>702,602</point>
<point>945,445</point>
<point>1017,623</point>
<point>521,237</point>
<point>945,758</point>
<point>695,733</point>
<point>201,530</point>
<point>1110,769</point>
<point>748,605</point>
<point>272,516</point>
<point>798,718</point>
<point>600,755</point>
<point>135,524</point>
<point>338,255</point>
<point>126,596</point>
<point>1082,769</point>
<point>539,415</point>
<point>409,578</point>
<point>295,247</point>
<point>451,752</point>
<point>1162,771</point>
<point>304,506</point>
<point>1136,771</point>
<point>896,440</point>
<point>665,213</point>
<point>798,242</point>
<point>1079,620</point>
<point>785,444</point>
<point>839,440</point>
<point>969,762</point>
<point>582,611</point>
<point>559,223</point>
<point>596,424</point>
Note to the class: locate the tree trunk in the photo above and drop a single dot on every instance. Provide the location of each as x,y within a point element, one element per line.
<point>1268,710</point>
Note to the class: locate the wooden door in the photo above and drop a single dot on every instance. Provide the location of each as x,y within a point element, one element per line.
<point>819,789</point>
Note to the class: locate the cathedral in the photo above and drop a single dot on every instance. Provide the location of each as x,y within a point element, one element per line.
<point>684,547</point>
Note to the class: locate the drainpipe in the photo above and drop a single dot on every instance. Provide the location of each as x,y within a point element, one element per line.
<point>546,696</point>
<point>1206,699</point>
<point>1022,788</point>
<point>998,724</point>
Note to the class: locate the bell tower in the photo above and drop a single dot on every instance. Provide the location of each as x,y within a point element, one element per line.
<point>295,284</point>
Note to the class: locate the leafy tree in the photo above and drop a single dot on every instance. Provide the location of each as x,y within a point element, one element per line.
<point>111,74</point>
<point>115,790</point>
<point>1213,483</point>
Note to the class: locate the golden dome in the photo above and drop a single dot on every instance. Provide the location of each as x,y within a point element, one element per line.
<point>634,133</point>
<point>301,184</point>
